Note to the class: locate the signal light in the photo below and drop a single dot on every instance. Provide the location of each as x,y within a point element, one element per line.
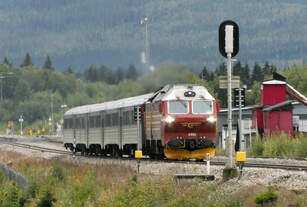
<point>137,113</point>
<point>236,99</point>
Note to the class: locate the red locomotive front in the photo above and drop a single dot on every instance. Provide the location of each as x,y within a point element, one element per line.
<point>189,129</point>
<point>184,118</point>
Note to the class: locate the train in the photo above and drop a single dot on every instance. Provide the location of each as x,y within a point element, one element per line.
<point>176,122</point>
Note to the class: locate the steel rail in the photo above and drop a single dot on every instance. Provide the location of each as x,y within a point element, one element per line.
<point>37,148</point>
<point>212,162</point>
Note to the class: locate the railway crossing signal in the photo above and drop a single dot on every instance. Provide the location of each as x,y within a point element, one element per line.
<point>137,113</point>
<point>239,97</point>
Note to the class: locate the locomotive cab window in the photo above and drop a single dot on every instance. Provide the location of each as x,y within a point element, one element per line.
<point>202,107</point>
<point>178,107</point>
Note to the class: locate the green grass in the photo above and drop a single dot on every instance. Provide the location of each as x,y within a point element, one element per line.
<point>280,146</point>
<point>60,184</point>
<point>268,196</point>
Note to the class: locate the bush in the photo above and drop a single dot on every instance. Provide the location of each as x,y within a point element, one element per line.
<point>301,146</point>
<point>11,196</point>
<point>281,145</point>
<point>58,172</point>
<point>84,190</point>
<point>2,178</point>
<point>164,192</point>
<point>33,187</point>
<point>45,197</point>
<point>270,147</point>
<point>266,197</point>
<point>257,147</point>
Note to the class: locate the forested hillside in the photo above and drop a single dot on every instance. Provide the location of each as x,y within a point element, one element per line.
<point>37,92</point>
<point>80,33</point>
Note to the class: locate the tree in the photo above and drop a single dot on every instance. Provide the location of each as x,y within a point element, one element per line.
<point>253,97</point>
<point>119,74</point>
<point>222,69</point>
<point>27,61</point>
<point>6,62</point>
<point>206,75</point>
<point>131,73</point>
<point>69,70</point>
<point>48,63</point>
<point>245,75</point>
<point>257,74</point>
<point>91,74</point>
<point>237,69</point>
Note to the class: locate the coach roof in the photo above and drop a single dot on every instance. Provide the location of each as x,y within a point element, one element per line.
<point>126,102</point>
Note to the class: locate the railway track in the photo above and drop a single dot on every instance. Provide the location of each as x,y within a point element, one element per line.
<point>212,162</point>
<point>36,148</point>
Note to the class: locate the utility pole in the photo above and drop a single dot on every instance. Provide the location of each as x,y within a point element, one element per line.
<point>147,52</point>
<point>20,121</point>
<point>52,124</point>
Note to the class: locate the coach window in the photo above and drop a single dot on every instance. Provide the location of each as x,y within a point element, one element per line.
<point>77,123</point>
<point>83,122</point>
<point>108,120</point>
<point>125,118</point>
<point>92,121</point>
<point>98,121</point>
<point>132,121</point>
<point>202,107</point>
<point>115,119</point>
<point>178,107</point>
<point>70,124</point>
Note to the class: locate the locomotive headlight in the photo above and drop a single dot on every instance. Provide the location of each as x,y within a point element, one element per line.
<point>169,119</point>
<point>211,119</point>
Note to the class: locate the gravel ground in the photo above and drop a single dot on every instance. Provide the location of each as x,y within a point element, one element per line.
<point>251,176</point>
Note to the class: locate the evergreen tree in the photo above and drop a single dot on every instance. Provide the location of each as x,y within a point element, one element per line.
<point>119,74</point>
<point>69,70</point>
<point>6,62</point>
<point>245,75</point>
<point>257,74</point>
<point>206,75</point>
<point>48,63</point>
<point>91,74</point>
<point>131,73</point>
<point>237,69</point>
<point>272,69</point>
<point>106,74</point>
<point>27,61</point>
<point>222,69</point>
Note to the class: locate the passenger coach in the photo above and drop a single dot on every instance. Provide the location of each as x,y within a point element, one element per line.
<point>177,121</point>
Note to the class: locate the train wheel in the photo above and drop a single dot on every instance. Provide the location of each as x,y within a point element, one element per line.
<point>115,152</point>
<point>97,150</point>
<point>131,154</point>
<point>83,151</point>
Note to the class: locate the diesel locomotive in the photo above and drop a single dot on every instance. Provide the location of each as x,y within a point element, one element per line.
<point>176,122</point>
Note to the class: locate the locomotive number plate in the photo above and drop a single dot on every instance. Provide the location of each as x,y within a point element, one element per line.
<point>192,134</point>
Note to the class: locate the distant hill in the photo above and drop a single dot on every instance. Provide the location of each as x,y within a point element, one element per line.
<point>79,33</point>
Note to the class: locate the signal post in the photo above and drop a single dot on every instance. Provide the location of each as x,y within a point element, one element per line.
<point>138,153</point>
<point>229,47</point>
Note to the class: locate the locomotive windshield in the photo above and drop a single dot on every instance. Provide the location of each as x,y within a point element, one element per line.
<point>202,107</point>
<point>178,107</point>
